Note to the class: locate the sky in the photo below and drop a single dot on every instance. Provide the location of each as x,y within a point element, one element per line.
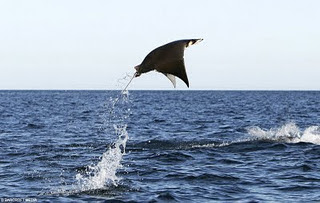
<point>94,44</point>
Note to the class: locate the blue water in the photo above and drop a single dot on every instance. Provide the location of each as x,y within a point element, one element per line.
<point>159,146</point>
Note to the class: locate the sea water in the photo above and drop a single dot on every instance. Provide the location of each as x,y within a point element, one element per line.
<point>160,146</point>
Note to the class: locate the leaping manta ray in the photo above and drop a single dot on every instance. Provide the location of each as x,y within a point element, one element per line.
<point>167,59</point>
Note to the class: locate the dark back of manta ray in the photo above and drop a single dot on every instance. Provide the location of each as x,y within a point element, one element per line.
<point>168,59</point>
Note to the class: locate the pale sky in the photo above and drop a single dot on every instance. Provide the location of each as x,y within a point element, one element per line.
<point>78,44</point>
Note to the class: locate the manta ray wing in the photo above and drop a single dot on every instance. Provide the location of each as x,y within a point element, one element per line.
<point>175,68</point>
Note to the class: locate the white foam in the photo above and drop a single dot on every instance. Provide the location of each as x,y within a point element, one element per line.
<point>211,145</point>
<point>311,135</point>
<point>289,133</point>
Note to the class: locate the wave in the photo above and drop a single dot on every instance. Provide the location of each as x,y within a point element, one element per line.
<point>156,144</point>
<point>289,133</point>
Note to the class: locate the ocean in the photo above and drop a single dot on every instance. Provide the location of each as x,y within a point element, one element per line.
<point>160,146</point>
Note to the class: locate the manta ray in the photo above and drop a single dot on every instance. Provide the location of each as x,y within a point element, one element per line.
<point>168,59</point>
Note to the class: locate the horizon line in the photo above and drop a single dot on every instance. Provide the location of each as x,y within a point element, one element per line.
<point>161,90</point>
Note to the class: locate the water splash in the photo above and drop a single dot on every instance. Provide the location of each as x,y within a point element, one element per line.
<point>103,174</point>
<point>289,133</point>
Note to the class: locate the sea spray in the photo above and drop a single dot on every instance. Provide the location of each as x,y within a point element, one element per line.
<point>311,135</point>
<point>103,174</point>
<point>289,133</point>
